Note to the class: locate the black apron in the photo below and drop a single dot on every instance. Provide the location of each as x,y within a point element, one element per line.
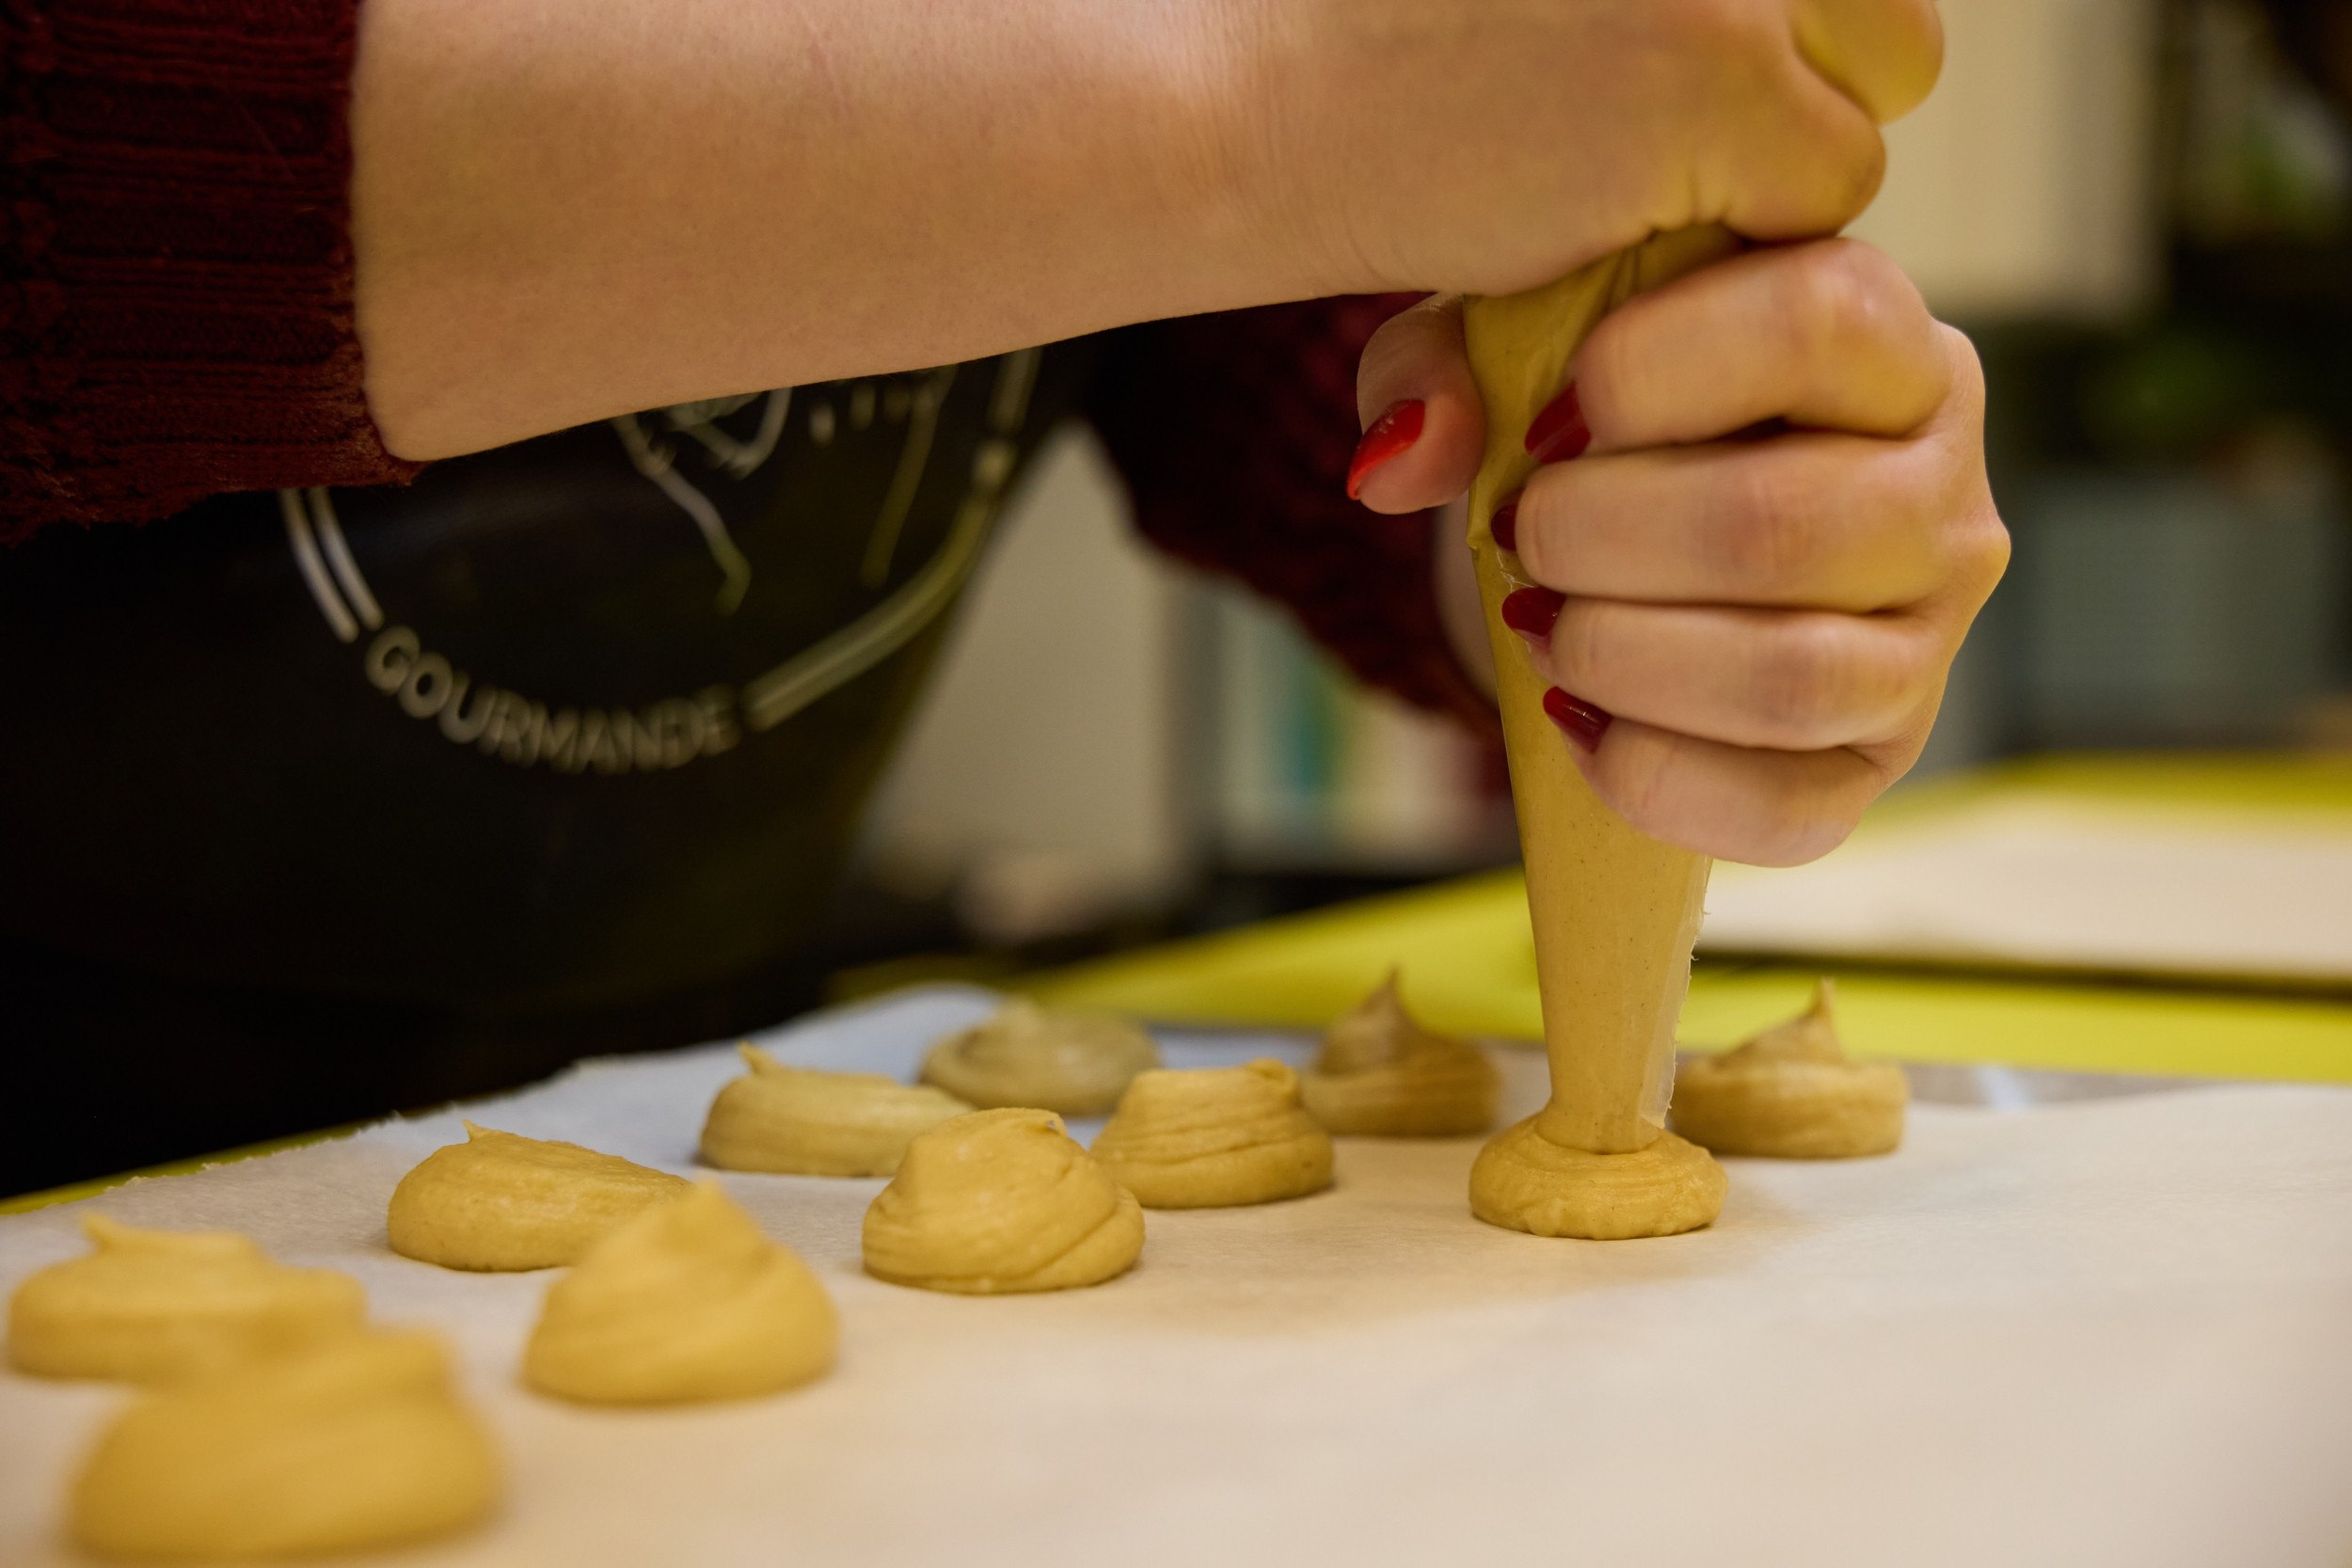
<point>319,803</point>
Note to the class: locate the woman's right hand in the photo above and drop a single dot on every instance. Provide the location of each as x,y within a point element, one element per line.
<point>1489,146</point>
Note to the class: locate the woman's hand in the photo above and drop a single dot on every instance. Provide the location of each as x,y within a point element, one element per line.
<point>1490,146</point>
<point>1764,622</point>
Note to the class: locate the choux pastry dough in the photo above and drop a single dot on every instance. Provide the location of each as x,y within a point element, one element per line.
<point>1382,1075</point>
<point>1524,1181</point>
<point>1791,1094</point>
<point>500,1202</point>
<point>154,1305</point>
<point>348,1443</point>
<point>1614,912</point>
<point>688,1301</point>
<point>999,1201</point>
<point>1215,1138</point>
<point>796,1121</point>
<point>1049,1058</point>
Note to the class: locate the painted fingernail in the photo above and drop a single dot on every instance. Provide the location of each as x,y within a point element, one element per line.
<point>1583,723</point>
<point>1390,434</point>
<point>1559,433</point>
<point>1531,612</point>
<point>1504,525</point>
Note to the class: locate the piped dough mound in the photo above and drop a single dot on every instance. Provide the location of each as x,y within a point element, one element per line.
<point>1382,1075</point>
<point>689,1301</point>
<point>1048,1058</point>
<point>155,1306</point>
<point>501,1202</point>
<point>1791,1094</point>
<point>1215,1138</point>
<point>349,1443</point>
<point>1001,1201</point>
<point>796,1121</point>
<point>1522,1180</point>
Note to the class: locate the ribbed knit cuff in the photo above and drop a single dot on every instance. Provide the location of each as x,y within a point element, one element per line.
<point>175,314</point>
<point>1234,433</point>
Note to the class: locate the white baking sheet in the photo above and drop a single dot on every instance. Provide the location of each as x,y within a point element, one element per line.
<point>2063,884</point>
<point>2107,1332</point>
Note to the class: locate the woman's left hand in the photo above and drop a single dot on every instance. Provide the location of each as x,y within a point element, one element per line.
<point>1765,623</point>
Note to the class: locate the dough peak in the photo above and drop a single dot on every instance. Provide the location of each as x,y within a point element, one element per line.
<point>800,1121</point>
<point>1791,1093</point>
<point>689,1301</point>
<point>152,1306</point>
<point>1382,1074</point>
<point>349,1443</point>
<point>501,1202</point>
<point>1069,1060</point>
<point>1215,1138</point>
<point>1000,1201</point>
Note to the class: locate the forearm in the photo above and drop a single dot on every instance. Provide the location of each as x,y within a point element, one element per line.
<point>564,210</point>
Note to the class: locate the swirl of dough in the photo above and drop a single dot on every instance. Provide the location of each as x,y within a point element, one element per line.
<point>795,1121</point>
<point>998,1201</point>
<point>1215,1138</point>
<point>347,1444</point>
<point>686,1301</point>
<point>501,1202</point>
<point>1793,1094</point>
<point>1382,1075</point>
<point>1523,1180</point>
<point>1045,1058</point>
<point>151,1306</point>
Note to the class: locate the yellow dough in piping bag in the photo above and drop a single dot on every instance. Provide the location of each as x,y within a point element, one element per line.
<point>1215,1138</point>
<point>1382,1075</point>
<point>152,1306</point>
<point>350,1443</point>
<point>1001,1201</point>
<point>688,1301</point>
<point>1614,912</point>
<point>500,1202</point>
<point>1060,1059</point>
<point>797,1121</point>
<point>1793,1094</point>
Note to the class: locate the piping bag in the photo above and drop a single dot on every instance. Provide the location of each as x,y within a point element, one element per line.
<point>1616,913</point>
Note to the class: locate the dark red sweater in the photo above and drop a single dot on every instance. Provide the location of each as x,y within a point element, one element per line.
<point>176,323</point>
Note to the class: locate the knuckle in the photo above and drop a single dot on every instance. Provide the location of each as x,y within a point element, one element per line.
<point>1836,301</point>
<point>1610,373</point>
<point>1769,530</point>
<point>1577,639</point>
<point>1805,679</point>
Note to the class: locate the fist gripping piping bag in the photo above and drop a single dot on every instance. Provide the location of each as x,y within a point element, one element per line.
<point>1614,912</point>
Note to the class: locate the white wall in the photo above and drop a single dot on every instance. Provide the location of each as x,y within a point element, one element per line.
<point>2026,185</point>
<point>1043,769</point>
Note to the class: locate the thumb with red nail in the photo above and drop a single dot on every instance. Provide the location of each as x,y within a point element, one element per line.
<point>1745,639</point>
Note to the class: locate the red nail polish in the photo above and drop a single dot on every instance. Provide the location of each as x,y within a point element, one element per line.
<point>1531,612</point>
<point>1583,723</point>
<point>1390,434</point>
<point>1559,433</point>
<point>1504,525</point>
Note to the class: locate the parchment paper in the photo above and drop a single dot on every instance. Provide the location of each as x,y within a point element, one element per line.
<point>2063,884</point>
<point>2111,1332</point>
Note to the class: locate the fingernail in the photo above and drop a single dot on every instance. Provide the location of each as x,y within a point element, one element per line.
<point>1583,723</point>
<point>1504,525</point>
<point>1390,434</point>
<point>1559,433</point>
<point>1531,612</point>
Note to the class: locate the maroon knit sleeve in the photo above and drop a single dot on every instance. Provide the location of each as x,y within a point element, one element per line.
<point>175,311</point>
<point>1234,434</point>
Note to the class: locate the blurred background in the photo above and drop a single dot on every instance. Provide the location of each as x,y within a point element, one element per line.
<point>2142,213</point>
